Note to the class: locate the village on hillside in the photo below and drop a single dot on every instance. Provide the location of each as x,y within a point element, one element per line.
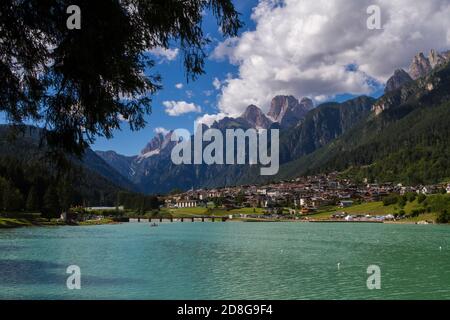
<point>317,198</point>
<point>302,198</point>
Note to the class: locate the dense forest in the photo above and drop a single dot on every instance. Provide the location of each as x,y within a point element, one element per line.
<point>139,203</point>
<point>34,180</point>
<point>32,187</point>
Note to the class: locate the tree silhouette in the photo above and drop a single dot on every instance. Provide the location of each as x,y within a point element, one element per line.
<point>32,202</point>
<point>12,198</point>
<point>51,203</point>
<point>78,83</point>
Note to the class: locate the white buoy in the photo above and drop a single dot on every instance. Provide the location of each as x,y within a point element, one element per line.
<point>339,265</point>
<point>440,248</point>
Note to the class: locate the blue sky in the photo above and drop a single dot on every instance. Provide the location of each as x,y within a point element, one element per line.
<point>200,92</point>
<point>320,49</point>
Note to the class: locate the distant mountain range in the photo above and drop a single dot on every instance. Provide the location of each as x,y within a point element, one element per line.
<point>305,132</point>
<point>146,169</point>
<point>406,138</point>
<point>402,136</point>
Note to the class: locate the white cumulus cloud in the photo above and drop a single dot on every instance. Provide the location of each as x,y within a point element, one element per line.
<point>209,119</point>
<point>177,108</point>
<point>161,130</point>
<point>305,48</point>
<point>165,54</point>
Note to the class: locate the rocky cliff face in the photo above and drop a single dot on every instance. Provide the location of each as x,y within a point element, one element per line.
<point>421,69</point>
<point>420,66</point>
<point>436,58</point>
<point>279,106</point>
<point>307,103</point>
<point>256,118</point>
<point>322,125</point>
<point>161,142</point>
<point>288,111</point>
<point>400,96</point>
<point>400,78</point>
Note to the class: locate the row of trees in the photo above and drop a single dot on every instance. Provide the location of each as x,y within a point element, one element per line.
<point>443,217</point>
<point>137,202</point>
<point>35,188</point>
<point>32,188</point>
<point>402,200</point>
<point>438,203</point>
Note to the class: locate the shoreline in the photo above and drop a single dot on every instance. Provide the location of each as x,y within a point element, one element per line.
<point>12,223</point>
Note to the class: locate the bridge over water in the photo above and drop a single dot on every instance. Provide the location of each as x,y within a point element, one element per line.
<point>184,219</point>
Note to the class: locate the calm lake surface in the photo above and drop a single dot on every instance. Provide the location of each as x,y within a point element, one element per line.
<point>226,261</point>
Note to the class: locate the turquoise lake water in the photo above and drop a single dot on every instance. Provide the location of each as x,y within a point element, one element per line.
<point>226,261</point>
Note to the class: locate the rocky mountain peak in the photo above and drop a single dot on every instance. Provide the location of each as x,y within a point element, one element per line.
<point>251,109</point>
<point>307,103</point>
<point>288,111</point>
<point>436,58</point>
<point>399,78</point>
<point>161,141</point>
<point>420,66</point>
<point>279,106</point>
<point>256,118</point>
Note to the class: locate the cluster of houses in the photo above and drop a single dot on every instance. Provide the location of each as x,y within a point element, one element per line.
<point>362,218</point>
<point>303,195</point>
<point>80,214</point>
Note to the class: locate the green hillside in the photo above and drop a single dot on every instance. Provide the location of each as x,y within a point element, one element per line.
<point>408,142</point>
<point>30,180</point>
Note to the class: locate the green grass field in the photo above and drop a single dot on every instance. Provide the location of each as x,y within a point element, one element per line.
<point>422,217</point>
<point>96,222</point>
<point>247,211</point>
<point>21,222</point>
<point>434,203</point>
<point>14,223</point>
<point>185,212</point>
<point>370,208</point>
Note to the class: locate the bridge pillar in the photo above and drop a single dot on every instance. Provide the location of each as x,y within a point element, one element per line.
<point>193,219</point>
<point>212,219</point>
<point>149,219</point>
<point>139,219</point>
<point>160,219</point>
<point>203,219</point>
<point>171,219</point>
<point>182,219</point>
